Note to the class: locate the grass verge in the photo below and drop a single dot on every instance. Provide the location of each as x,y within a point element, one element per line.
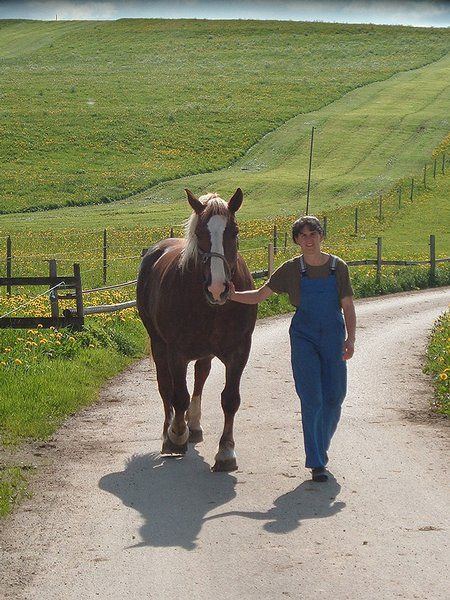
<point>438,362</point>
<point>38,395</point>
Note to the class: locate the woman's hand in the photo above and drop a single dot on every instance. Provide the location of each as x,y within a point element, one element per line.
<point>349,349</point>
<point>232,290</point>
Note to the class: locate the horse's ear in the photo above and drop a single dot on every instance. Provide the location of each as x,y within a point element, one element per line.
<point>235,203</point>
<point>194,202</point>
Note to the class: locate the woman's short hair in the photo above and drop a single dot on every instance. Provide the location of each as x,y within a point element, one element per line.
<point>309,221</point>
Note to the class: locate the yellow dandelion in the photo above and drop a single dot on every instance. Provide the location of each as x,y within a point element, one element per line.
<point>71,338</point>
<point>443,376</point>
<point>42,341</point>
<point>18,361</point>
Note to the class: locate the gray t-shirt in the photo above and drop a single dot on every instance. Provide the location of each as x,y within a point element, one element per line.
<point>287,278</point>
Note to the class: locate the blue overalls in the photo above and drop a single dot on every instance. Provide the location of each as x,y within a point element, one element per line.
<point>317,335</point>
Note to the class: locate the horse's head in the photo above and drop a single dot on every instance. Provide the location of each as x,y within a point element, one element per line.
<point>212,241</point>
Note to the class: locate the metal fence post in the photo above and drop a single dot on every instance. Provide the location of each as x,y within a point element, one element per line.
<point>412,189</point>
<point>105,256</point>
<point>379,251</point>
<point>432,259</point>
<point>8,263</point>
<point>275,239</point>
<point>356,221</point>
<point>270,259</point>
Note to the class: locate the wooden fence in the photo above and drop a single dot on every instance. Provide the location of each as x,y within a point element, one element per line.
<point>55,283</point>
<point>74,317</point>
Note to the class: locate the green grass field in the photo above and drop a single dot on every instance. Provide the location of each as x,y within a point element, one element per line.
<point>97,111</point>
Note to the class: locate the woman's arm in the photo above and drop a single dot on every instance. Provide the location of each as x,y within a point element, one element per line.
<point>250,296</point>
<point>350,324</point>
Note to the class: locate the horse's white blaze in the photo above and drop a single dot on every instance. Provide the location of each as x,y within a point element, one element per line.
<point>216,227</point>
<point>195,413</point>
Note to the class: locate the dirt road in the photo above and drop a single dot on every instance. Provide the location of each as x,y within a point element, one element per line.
<point>113,520</point>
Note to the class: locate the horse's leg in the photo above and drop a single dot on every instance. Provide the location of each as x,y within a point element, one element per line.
<point>178,431</point>
<point>201,371</point>
<point>164,378</point>
<point>225,459</point>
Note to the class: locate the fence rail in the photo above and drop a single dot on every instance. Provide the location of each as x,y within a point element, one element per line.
<point>53,281</point>
<point>74,317</point>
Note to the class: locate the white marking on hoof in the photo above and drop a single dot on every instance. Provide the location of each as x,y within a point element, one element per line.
<point>194,413</point>
<point>225,454</point>
<point>178,440</point>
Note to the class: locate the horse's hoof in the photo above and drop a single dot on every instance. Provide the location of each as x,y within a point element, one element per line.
<point>224,466</point>
<point>195,436</point>
<point>172,449</point>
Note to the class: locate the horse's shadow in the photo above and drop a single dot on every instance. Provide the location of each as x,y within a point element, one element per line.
<point>174,496</point>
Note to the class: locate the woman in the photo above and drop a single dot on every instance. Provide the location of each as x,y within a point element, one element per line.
<point>319,287</point>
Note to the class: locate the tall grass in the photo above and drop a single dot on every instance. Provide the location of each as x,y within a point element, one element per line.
<point>94,111</point>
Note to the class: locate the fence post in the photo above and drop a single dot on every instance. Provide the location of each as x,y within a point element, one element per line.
<point>270,259</point>
<point>285,241</point>
<point>171,232</point>
<point>8,263</point>
<point>443,164</point>
<point>105,256</point>
<point>412,189</point>
<point>434,168</point>
<point>356,221</point>
<point>380,208</point>
<point>379,251</point>
<point>79,295</point>
<point>425,176</point>
<point>52,268</point>
<point>325,223</point>
<point>399,197</point>
<point>432,259</point>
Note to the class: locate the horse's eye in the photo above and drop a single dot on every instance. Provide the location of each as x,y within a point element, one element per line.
<point>232,231</point>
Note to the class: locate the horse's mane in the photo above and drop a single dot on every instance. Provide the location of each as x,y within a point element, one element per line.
<point>214,206</point>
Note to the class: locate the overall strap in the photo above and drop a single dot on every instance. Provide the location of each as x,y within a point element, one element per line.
<point>333,264</point>
<point>302,266</point>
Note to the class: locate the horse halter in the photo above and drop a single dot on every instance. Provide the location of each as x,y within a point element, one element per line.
<point>206,255</point>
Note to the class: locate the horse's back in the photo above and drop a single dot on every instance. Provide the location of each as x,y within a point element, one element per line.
<point>159,259</point>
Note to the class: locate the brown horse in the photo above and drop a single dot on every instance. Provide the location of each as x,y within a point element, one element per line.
<point>182,293</point>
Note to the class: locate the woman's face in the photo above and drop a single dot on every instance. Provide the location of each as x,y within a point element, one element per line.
<point>309,240</point>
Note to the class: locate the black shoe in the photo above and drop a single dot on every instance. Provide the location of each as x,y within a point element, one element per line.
<point>319,474</point>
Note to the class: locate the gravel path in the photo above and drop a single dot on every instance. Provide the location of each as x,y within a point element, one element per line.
<point>113,520</point>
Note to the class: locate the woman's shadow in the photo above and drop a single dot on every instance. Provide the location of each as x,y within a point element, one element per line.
<point>309,500</point>
<point>172,495</point>
<point>175,495</point>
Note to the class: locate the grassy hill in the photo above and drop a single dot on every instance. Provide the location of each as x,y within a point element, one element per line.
<point>94,111</point>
